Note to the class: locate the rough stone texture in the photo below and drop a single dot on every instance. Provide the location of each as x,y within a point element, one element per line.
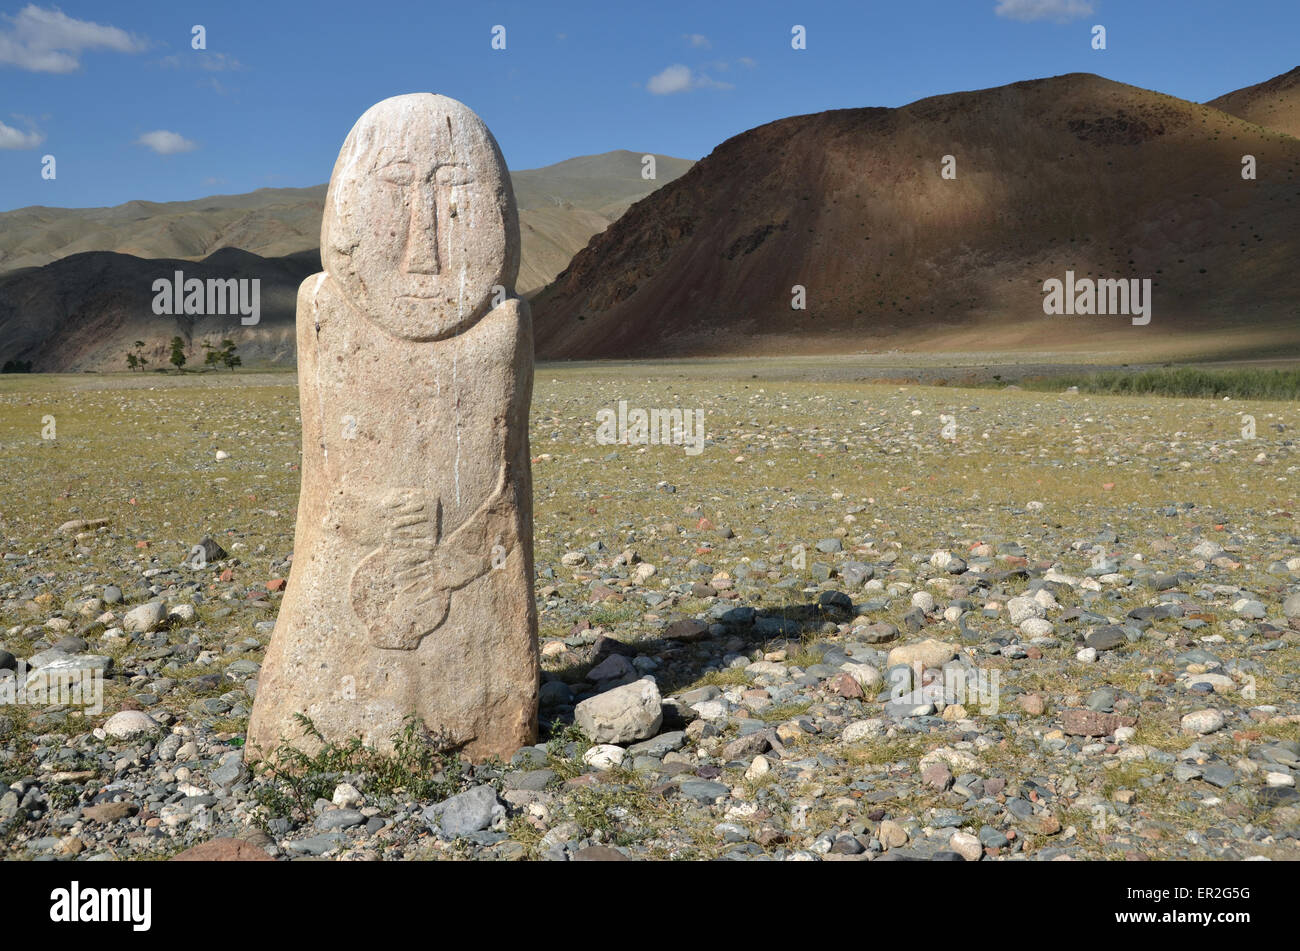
<point>1203,721</point>
<point>144,618</point>
<point>129,723</point>
<point>599,853</point>
<point>471,811</point>
<point>411,590</point>
<point>1106,638</point>
<point>109,811</point>
<point>1291,606</point>
<point>622,715</point>
<point>1092,723</point>
<point>223,850</point>
<point>929,653</point>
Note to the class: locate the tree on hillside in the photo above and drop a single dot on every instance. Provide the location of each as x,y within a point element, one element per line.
<point>228,356</point>
<point>132,361</point>
<point>212,357</point>
<point>178,353</point>
<point>140,359</point>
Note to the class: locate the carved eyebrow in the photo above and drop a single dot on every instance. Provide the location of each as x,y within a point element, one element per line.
<point>397,172</point>
<point>389,155</point>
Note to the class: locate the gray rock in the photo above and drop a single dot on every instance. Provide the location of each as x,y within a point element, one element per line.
<point>231,771</point>
<point>65,668</point>
<point>533,780</point>
<point>554,693</point>
<point>316,844</point>
<point>1102,700</point>
<point>471,811</point>
<point>129,723</point>
<point>659,746</point>
<point>1291,606</point>
<point>145,617</point>
<point>339,819</point>
<point>1106,638</point>
<point>622,715</point>
<point>1216,774</point>
<point>704,790</point>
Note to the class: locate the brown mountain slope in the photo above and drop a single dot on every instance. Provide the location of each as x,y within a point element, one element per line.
<point>1274,104</point>
<point>86,311</point>
<point>1075,172</point>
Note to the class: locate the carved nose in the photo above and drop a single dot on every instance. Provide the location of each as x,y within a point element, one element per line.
<point>422,239</point>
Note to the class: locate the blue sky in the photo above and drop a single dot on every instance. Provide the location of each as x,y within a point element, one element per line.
<point>116,93</point>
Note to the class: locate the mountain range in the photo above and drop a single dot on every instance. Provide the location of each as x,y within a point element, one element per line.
<point>930,226</point>
<point>76,284</point>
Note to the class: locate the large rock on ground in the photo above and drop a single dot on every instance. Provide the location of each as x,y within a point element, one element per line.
<point>929,653</point>
<point>622,715</point>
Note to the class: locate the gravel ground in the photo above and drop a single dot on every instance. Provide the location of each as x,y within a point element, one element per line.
<point>866,622</point>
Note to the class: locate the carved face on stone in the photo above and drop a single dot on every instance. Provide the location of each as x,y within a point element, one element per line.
<point>420,222</point>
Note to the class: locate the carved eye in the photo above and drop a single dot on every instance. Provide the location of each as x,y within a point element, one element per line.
<point>398,173</point>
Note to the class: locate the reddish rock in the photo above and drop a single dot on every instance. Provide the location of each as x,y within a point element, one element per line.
<point>1092,723</point>
<point>937,776</point>
<point>275,584</point>
<point>1032,704</point>
<point>109,811</point>
<point>845,686</point>
<point>746,746</point>
<point>1042,825</point>
<point>687,629</point>
<point>223,850</point>
<point>227,575</point>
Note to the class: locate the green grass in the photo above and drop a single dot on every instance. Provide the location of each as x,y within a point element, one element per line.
<point>421,765</point>
<point>1241,383</point>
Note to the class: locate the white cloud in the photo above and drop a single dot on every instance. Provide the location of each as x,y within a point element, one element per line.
<point>1029,10</point>
<point>50,41</point>
<point>675,78</point>
<point>11,138</point>
<point>698,40</point>
<point>679,78</point>
<point>166,143</point>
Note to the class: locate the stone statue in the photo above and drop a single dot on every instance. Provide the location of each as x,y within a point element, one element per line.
<point>412,583</point>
